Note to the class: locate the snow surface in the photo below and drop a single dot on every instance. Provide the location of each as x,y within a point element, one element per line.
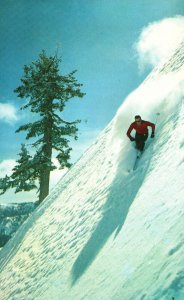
<point>105,231</point>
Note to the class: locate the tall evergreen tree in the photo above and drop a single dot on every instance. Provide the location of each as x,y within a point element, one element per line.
<point>47,93</point>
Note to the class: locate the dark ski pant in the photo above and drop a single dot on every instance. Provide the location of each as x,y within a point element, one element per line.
<point>140,140</point>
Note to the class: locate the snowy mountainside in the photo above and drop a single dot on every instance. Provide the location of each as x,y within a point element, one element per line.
<point>11,217</point>
<point>105,231</point>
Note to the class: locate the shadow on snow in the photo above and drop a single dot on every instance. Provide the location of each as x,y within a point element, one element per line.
<point>115,212</point>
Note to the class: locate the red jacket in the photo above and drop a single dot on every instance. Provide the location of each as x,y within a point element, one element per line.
<point>142,128</point>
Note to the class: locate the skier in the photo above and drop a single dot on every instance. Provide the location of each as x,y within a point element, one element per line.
<point>141,128</point>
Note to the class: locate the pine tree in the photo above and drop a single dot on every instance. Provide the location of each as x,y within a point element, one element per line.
<point>23,176</point>
<point>47,93</point>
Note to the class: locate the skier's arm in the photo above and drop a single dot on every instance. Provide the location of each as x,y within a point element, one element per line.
<point>129,132</point>
<point>152,125</point>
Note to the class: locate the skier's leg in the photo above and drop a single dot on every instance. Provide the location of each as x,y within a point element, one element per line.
<point>141,145</point>
<point>144,138</point>
<point>139,141</point>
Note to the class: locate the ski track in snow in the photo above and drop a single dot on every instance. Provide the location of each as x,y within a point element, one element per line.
<point>106,231</point>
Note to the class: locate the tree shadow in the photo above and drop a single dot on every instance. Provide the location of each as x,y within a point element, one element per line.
<point>115,211</point>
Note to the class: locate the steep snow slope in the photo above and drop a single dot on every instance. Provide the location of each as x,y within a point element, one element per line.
<point>106,232</point>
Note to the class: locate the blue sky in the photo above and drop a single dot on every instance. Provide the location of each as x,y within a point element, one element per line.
<point>96,37</point>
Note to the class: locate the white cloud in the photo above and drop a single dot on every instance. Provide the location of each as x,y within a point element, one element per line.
<point>158,40</point>
<point>8,113</point>
<point>6,167</point>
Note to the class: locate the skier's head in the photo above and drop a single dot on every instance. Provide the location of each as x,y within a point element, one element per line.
<point>138,119</point>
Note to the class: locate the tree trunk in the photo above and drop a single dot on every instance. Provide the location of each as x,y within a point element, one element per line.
<point>45,173</point>
<point>47,154</point>
<point>44,184</point>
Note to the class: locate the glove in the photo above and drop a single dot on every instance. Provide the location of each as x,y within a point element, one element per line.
<point>132,139</point>
<point>152,135</point>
